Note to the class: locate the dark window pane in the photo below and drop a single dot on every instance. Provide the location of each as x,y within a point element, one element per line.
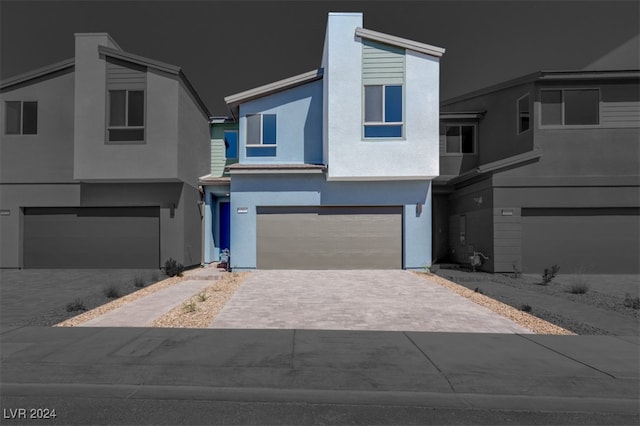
<point>383,131</point>
<point>551,103</point>
<point>29,118</point>
<point>269,129</point>
<point>372,104</point>
<point>453,139</point>
<point>117,107</point>
<point>253,129</point>
<point>393,104</point>
<point>12,117</point>
<point>523,114</point>
<point>261,152</point>
<point>467,139</point>
<point>126,135</point>
<point>581,107</point>
<point>231,144</point>
<point>136,108</point>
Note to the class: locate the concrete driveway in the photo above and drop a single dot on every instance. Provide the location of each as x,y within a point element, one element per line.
<point>40,296</point>
<point>355,300</point>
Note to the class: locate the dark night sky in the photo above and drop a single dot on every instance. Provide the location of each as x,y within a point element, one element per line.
<point>226,47</point>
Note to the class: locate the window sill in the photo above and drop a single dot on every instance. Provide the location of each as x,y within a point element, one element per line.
<point>569,126</point>
<point>261,146</point>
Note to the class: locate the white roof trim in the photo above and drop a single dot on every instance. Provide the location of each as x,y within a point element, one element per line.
<point>274,87</point>
<point>400,42</point>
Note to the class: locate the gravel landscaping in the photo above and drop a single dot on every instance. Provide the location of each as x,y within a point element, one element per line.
<point>564,294</point>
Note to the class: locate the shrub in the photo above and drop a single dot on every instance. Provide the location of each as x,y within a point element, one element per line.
<point>579,288</point>
<point>631,302</point>
<point>76,305</point>
<point>516,271</point>
<point>189,307</point>
<point>112,292</point>
<point>525,308</point>
<point>202,297</point>
<point>138,281</point>
<point>549,274</point>
<point>172,268</point>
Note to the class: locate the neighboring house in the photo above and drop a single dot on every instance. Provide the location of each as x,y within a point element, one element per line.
<point>542,170</point>
<point>335,166</point>
<point>100,159</point>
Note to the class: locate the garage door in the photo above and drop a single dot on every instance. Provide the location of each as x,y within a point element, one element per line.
<point>123,237</point>
<point>329,238</point>
<point>592,240</point>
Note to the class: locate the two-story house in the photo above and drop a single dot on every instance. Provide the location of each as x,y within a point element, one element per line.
<point>334,166</point>
<point>100,159</point>
<point>542,170</point>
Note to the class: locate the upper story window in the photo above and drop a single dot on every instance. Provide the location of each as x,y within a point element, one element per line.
<point>21,118</point>
<point>126,116</point>
<point>569,107</point>
<point>261,135</point>
<point>459,139</point>
<point>231,144</point>
<point>524,115</point>
<point>383,111</point>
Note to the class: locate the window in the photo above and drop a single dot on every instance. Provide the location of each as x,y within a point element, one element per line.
<point>459,139</point>
<point>523,114</point>
<point>126,116</point>
<point>383,111</point>
<point>231,144</point>
<point>21,118</point>
<point>567,107</point>
<point>261,135</point>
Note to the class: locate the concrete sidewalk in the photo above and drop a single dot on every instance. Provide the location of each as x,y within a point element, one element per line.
<point>597,374</point>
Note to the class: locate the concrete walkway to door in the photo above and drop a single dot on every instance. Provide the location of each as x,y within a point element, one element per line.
<point>355,300</point>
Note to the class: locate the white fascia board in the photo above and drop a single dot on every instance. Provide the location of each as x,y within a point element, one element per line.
<point>400,42</point>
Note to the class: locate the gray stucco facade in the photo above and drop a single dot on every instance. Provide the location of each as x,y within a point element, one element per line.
<point>73,173</point>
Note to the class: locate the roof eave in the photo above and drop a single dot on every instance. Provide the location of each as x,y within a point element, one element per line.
<point>234,101</point>
<point>39,72</point>
<point>400,42</point>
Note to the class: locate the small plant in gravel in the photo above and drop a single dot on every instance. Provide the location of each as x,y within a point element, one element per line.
<point>580,287</point>
<point>138,281</point>
<point>189,307</point>
<point>549,274</point>
<point>76,305</point>
<point>202,297</point>
<point>525,308</point>
<point>172,268</point>
<point>631,302</point>
<point>516,271</point>
<point>111,291</point>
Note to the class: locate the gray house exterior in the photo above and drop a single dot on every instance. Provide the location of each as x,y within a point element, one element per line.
<point>100,158</point>
<point>542,170</point>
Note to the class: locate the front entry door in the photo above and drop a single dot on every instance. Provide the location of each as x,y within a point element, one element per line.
<point>225,222</point>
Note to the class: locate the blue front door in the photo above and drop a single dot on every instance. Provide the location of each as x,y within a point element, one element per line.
<point>225,228</point>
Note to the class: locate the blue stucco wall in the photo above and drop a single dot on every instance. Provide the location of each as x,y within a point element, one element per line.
<point>249,191</point>
<point>298,125</point>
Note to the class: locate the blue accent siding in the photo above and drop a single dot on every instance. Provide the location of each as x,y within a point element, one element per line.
<point>251,191</point>
<point>298,132</point>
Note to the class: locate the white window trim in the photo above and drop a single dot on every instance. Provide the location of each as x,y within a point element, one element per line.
<point>518,130</point>
<point>383,123</point>
<point>475,140</point>
<point>261,144</point>
<point>568,126</point>
<point>126,115</point>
